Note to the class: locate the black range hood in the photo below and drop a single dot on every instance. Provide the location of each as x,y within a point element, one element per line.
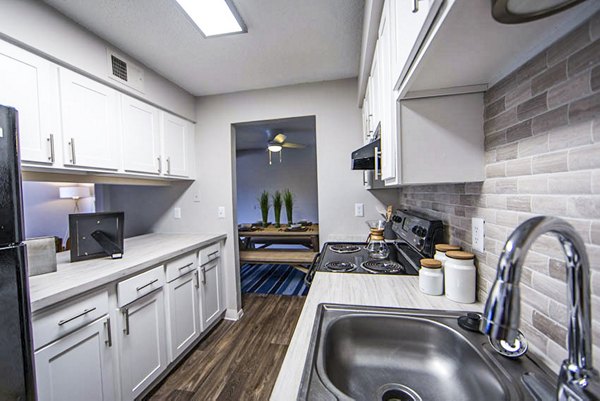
<point>364,158</point>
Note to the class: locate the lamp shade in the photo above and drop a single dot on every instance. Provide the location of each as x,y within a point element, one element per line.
<point>74,192</point>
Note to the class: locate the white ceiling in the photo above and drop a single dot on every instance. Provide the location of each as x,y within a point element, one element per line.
<point>288,41</point>
<point>255,135</point>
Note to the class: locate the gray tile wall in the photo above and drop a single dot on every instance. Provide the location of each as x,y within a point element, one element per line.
<point>542,145</point>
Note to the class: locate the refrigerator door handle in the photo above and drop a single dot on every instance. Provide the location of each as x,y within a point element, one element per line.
<point>85,312</point>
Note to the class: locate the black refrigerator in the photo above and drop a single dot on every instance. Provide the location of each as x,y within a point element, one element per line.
<point>17,380</point>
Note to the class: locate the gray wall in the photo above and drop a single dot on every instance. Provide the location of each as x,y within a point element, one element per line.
<point>542,143</point>
<point>45,214</point>
<point>297,171</point>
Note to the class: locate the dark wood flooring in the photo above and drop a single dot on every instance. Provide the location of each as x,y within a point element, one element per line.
<point>237,360</point>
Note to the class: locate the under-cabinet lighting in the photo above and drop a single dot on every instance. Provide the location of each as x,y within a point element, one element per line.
<point>214,17</point>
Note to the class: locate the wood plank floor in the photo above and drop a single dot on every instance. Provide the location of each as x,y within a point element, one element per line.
<point>238,360</point>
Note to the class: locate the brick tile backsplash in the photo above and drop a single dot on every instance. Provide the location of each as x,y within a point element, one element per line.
<point>542,152</point>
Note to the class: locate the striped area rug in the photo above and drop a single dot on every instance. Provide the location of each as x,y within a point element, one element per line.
<point>272,279</point>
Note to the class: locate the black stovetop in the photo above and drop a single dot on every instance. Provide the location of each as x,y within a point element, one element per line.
<point>400,253</point>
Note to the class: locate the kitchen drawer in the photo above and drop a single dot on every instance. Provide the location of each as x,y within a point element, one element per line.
<point>180,266</point>
<point>136,287</point>
<point>210,253</point>
<point>67,317</point>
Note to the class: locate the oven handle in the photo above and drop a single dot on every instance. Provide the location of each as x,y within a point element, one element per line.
<point>311,271</point>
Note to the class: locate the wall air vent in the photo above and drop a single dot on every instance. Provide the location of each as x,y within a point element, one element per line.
<point>124,71</point>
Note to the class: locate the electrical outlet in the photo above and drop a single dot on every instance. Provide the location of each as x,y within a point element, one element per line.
<point>221,212</point>
<point>478,234</point>
<point>359,209</point>
<point>177,212</point>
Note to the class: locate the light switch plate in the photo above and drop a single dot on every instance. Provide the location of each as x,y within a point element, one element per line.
<point>177,212</point>
<point>221,212</point>
<point>478,234</point>
<point>359,209</point>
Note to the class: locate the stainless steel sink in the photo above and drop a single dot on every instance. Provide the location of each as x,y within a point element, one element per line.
<point>366,353</point>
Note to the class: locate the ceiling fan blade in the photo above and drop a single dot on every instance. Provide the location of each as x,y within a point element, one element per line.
<point>279,138</point>
<point>291,145</point>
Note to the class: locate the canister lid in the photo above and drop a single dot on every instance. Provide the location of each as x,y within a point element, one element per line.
<point>461,255</point>
<point>431,263</point>
<point>446,247</point>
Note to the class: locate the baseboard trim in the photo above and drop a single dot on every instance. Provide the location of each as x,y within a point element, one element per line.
<point>234,315</point>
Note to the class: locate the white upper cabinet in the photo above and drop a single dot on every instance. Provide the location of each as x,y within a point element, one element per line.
<point>89,113</point>
<point>29,84</point>
<point>410,23</point>
<point>140,136</point>
<point>177,135</point>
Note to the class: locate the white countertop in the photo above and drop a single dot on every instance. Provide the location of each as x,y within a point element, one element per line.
<point>143,252</point>
<point>353,289</point>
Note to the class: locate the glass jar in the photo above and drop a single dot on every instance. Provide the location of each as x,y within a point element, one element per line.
<point>431,277</point>
<point>460,276</point>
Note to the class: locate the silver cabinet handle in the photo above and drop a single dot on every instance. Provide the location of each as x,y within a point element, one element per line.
<point>168,165</point>
<point>377,169</point>
<point>85,312</point>
<point>197,279</point>
<point>415,6</point>
<point>146,285</point>
<point>186,266</point>
<point>203,270</point>
<point>212,255</point>
<point>72,146</point>
<point>107,327</point>
<point>125,313</point>
<point>159,165</point>
<point>51,143</point>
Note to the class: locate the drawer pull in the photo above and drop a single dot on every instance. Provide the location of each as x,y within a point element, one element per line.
<point>108,340</point>
<point>213,253</point>
<point>146,285</point>
<point>186,266</point>
<point>85,312</point>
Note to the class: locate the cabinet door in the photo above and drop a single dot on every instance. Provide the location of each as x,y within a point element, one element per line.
<point>30,84</point>
<point>143,344</point>
<point>374,91</point>
<point>78,366</point>
<point>387,131</point>
<point>175,138</point>
<point>212,303</point>
<point>411,21</point>
<point>184,312</point>
<point>90,122</point>
<point>140,136</point>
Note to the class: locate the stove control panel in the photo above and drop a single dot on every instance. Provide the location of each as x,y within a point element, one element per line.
<point>419,231</point>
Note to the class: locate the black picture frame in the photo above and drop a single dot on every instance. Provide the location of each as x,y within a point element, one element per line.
<point>83,225</point>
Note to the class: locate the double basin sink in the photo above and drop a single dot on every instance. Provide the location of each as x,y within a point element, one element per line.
<point>392,354</point>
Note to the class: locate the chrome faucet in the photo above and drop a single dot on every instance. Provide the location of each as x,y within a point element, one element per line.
<point>577,379</point>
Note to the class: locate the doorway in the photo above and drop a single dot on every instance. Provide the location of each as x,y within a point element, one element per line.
<point>276,203</point>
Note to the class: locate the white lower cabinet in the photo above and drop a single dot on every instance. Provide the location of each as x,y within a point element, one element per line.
<point>211,292</point>
<point>184,312</point>
<point>78,366</point>
<point>143,345</point>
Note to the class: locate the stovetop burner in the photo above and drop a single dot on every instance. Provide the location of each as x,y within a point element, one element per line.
<point>337,266</point>
<point>382,266</point>
<point>345,248</point>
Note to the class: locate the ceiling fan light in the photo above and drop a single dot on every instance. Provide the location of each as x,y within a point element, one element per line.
<point>275,148</point>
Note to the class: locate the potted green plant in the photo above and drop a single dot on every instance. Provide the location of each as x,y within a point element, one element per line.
<point>277,203</point>
<point>288,200</point>
<point>263,202</point>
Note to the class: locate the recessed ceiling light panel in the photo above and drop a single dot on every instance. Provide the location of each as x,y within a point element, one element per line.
<point>214,17</point>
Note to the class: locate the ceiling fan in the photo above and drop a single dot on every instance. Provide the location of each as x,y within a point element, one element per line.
<point>277,143</point>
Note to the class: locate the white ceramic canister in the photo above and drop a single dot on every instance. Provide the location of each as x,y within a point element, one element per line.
<point>431,278</point>
<point>441,249</point>
<point>460,276</point>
